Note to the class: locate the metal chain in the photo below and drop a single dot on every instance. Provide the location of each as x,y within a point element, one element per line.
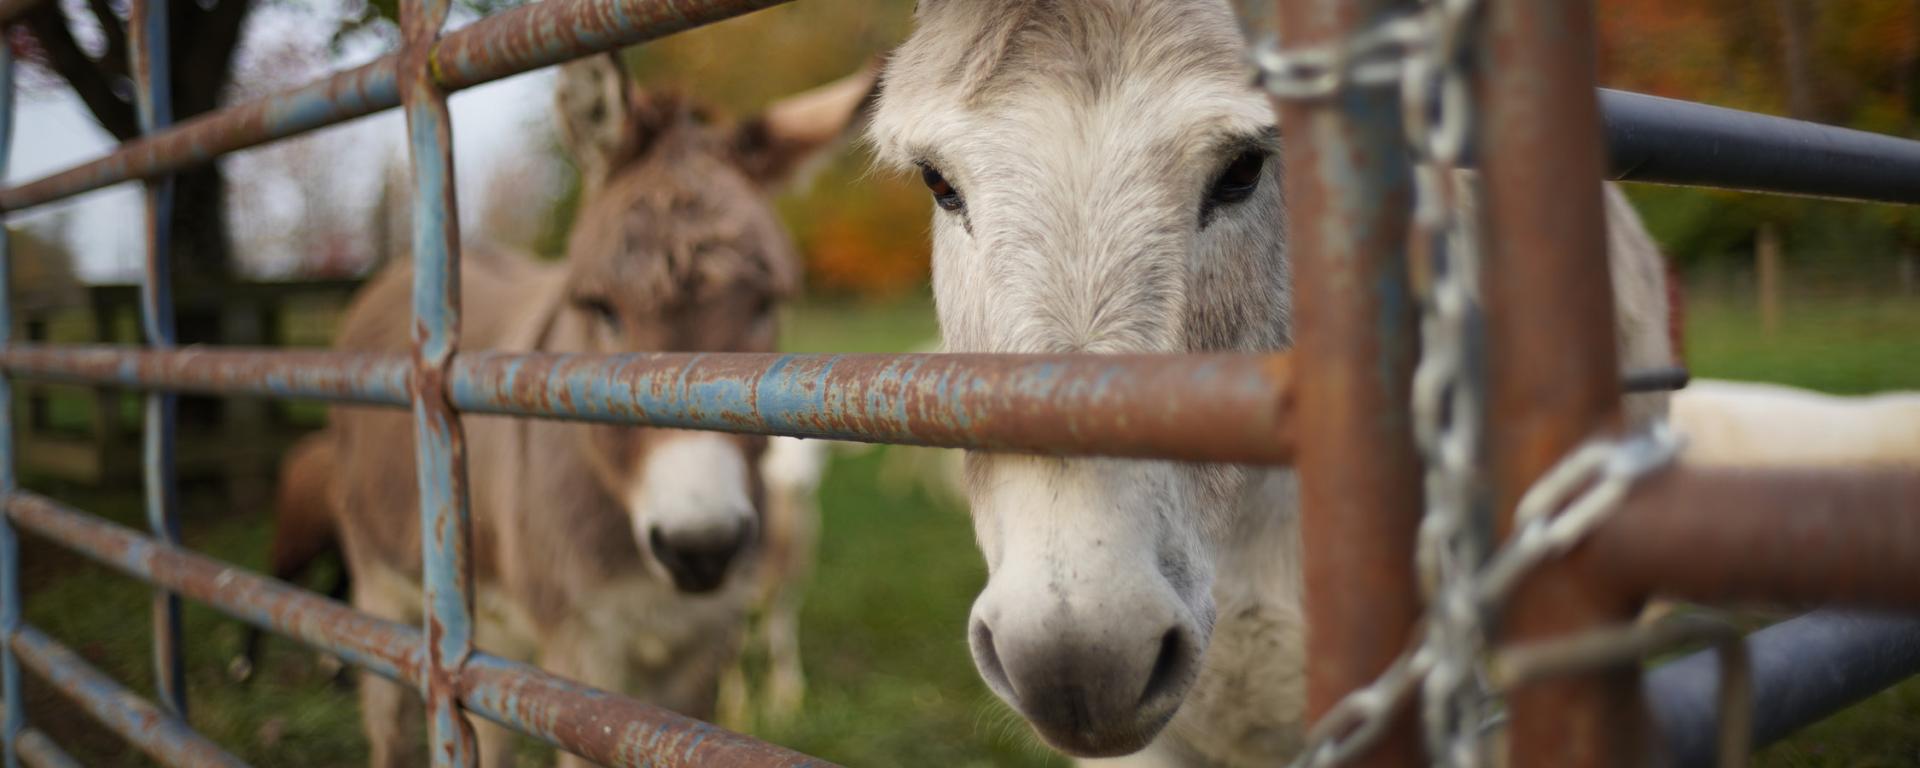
<point>1426,54</point>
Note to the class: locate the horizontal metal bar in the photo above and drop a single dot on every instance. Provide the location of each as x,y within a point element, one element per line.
<point>385,648</point>
<point>37,750</point>
<point>605,728</point>
<point>1188,407</point>
<point>351,377</point>
<point>1667,141</point>
<point>1804,670</point>
<point>1828,536</point>
<point>507,43</point>
<point>601,726</point>
<point>157,734</point>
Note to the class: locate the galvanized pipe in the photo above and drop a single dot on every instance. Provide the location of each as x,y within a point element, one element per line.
<point>39,751</point>
<point>595,724</point>
<point>1232,408</point>
<point>1820,536</point>
<point>446,532</point>
<point>147,47</point>
<point>1803,670</point>
<point>1553,377</point>
<point>512,41</point>
<point>1349,187</point>
<point>159,735</point>
<point>12,718</point>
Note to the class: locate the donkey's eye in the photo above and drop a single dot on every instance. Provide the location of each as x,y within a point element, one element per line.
<point>1237,181</point>
<point>944,194</point>
<point>601,310</point>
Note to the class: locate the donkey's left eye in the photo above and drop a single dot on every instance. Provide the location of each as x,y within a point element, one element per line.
<point>600,309</point>
<point>1238,181</point>
<point>943,191</point>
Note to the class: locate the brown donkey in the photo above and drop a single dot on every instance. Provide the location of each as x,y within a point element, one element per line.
<point>616,556</point>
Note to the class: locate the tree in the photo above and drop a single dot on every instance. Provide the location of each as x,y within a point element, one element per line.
<point>202,37</point>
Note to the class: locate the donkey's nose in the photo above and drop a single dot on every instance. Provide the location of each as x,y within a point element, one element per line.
<point>698,557</point>
<point>1091,692</point>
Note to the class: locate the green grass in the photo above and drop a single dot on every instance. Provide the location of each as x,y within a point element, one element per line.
<point>890,681</point>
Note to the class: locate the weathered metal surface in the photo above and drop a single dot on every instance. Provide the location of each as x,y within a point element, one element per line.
<point>1803,670</point>
<point>514,41</point>
<point>348,377</point>
<point>153,91</point>
<point>383,647</point>
<point>1234,408</point>
<point>336,99</point>
<point>541,34</point>
<point>609,729</point>
<point>38,751</point>
<point>1349,189</point>
<point>439,441</point>
<point>12,715</point>
<point>1194,407</point>
<point>1552,372</point>
<point>602,726</point>
<point>161,736</point>
<point>1828,536</point>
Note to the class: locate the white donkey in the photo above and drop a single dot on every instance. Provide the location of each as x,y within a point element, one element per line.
<point>1105,182</point>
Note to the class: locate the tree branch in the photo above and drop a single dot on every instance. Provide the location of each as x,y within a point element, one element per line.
<point>89,82</point>
<point>203,47</point>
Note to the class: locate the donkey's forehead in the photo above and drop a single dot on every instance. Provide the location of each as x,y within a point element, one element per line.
<point>1021,72</point>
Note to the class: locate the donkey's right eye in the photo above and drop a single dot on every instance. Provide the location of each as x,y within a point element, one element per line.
<point>601,310</point>
<point>944,194</point>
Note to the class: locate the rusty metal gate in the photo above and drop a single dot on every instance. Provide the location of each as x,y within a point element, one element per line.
<point>1340,407</point>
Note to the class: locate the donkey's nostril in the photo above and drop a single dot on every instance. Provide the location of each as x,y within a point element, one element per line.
<point>1170,668</point>
<point>987,658</point>
<point>697,563</point>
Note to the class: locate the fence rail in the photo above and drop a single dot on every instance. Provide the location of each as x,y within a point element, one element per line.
<point>1360,473</point>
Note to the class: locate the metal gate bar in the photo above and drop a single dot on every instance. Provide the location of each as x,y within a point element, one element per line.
<point>510,42</point>
<point>38,751</point>
<point>12,718</point>
<point>153,90</point>
<point>163,736</point>
<point>1211,407</point>
<point>1804,669</point>
<point>598,725</point>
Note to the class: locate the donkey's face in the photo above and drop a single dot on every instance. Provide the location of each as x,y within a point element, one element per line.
<point>1104,179</point>
<point>677,248</point>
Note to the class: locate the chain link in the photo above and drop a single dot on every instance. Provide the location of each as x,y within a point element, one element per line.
<point>1427,55</point>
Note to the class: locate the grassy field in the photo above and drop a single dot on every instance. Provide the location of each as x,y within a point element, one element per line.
<point>891,683</point>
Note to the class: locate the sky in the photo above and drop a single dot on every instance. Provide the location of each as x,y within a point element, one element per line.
<point>102,228</point>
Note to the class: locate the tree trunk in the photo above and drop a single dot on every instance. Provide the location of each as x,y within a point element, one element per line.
<point>1796,49</point>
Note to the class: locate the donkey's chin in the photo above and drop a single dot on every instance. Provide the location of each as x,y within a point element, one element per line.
<point>1082,737</point>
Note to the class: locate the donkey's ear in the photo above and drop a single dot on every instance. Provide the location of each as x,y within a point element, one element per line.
<point>593,102</point>
<point>775,145</point>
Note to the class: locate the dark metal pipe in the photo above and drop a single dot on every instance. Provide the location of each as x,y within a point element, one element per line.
<point>1233,408</point>
<point>1667,141</point>
<point>163,737</point>
<point>1804,670</point>
<point>595,724</point>
<point>12,716</point>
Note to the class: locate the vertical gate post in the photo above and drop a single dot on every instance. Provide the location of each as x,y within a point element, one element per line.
<point>1349,191</point>
<point>12,719</point>
<point>1552,369</point>
<point>438,440</point>
<point>147,47</point>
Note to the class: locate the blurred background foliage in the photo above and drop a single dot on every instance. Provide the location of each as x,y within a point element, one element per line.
<point>1853,63</point>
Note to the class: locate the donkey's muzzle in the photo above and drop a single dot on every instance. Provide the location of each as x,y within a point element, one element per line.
<point>698,560</point>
